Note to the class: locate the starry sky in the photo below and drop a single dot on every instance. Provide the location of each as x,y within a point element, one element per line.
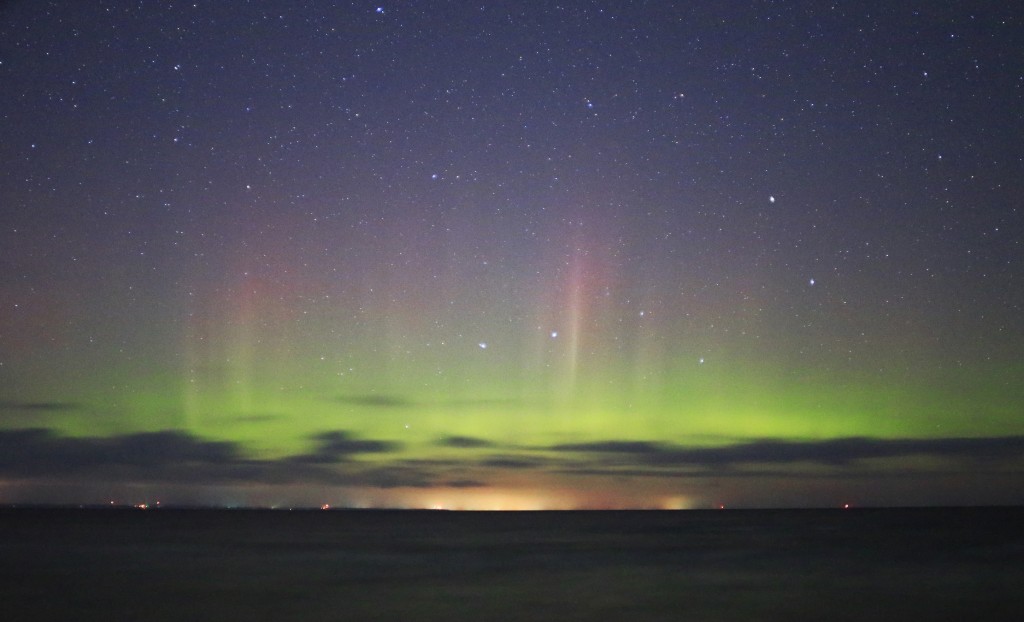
<point>512,255</point>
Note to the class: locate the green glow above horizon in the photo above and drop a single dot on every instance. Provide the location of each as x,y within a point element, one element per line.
<point>556,255</point>
<point>276,406</point>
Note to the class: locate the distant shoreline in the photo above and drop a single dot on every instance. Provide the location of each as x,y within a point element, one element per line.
<point>312,509</point>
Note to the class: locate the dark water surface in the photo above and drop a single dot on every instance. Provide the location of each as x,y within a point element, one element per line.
<point>897,564</point>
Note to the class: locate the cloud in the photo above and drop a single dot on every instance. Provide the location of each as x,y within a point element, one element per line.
<point>338,446</point>
<point>463,442</point>
<point>174,456</point>
<point>513,462</point>
<point>846,450</point>
<point>627,447</point>
<point>833,451</point>
<point>464,483</point>
<point>180,457</point>
<point>38,451</point>
<point>393,476</point>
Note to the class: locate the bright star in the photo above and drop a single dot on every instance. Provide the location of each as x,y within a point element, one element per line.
<point>483,345</point>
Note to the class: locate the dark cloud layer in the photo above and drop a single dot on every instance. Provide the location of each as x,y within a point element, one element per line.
<point>834,452</point>
<point>464,483</point>
<point>171,456</point>
<point>339,446</point>
<point>464,442</point>
<point>514,462</point>
<point>41,452</point>
<point>625,447</point>
<point>177,456</point>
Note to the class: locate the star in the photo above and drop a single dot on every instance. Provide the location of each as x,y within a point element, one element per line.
<point>402,198</point>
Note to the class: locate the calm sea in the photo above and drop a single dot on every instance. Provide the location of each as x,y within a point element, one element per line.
<point>885,564</point>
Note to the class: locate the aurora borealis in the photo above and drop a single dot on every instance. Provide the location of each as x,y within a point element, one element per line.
<point>512,254</point>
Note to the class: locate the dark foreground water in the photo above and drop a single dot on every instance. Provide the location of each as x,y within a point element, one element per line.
<point>920,564</point>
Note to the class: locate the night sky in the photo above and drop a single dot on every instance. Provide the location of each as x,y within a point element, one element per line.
<point>512,255</point>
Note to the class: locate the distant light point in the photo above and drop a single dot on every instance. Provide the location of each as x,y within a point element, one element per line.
<point>554,334</point>
<point>700,361</point>
<point>483,345</point>
<point>810,282</point>
<point>380,10</point>
<point>771,199</point>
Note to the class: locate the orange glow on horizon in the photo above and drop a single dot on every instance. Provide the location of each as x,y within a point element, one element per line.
<point>521,499</point>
